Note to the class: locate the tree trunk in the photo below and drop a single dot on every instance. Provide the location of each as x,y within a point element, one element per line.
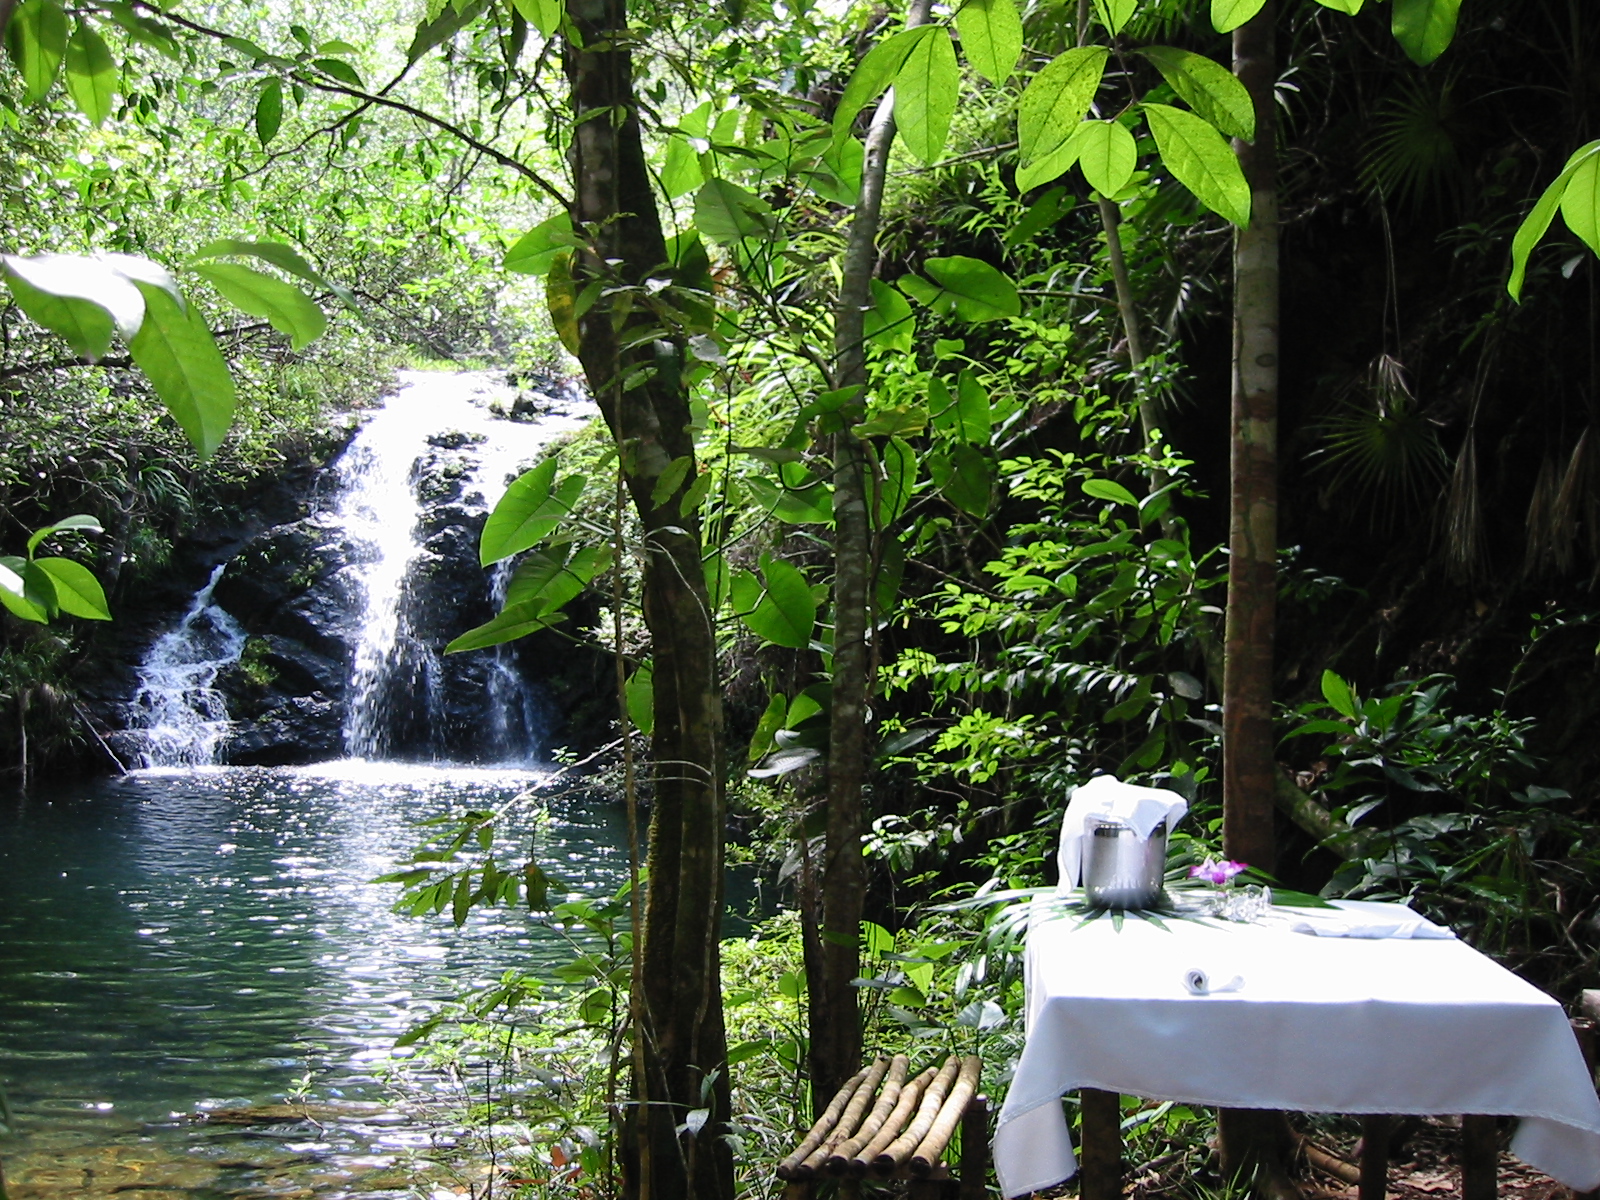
<point>683,1031</point>
<point>1248,762</point>
<point>835,1020</point>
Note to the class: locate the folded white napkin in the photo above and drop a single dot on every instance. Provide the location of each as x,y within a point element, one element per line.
<point>1199,982</point>
<point>1141,808</point>
<point>1364,919</point>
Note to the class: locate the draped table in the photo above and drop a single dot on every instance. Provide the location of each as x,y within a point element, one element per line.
<point>1319,1024</point>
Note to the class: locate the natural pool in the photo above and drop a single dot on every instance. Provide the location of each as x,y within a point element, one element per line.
<point>177,940</point>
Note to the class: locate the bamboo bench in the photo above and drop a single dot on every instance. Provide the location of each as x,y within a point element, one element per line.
<point>900,1132</point>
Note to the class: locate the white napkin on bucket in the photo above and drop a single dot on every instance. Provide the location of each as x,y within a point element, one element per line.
<point>1141,808</point>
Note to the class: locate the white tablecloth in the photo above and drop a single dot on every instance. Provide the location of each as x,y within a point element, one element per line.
<point>1335,1025</point>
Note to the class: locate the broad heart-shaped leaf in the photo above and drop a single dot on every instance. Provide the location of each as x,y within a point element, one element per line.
<point>968,288</point>
<point>682,171</point>
<point>1199,159</point>
<point>727,213</point>
<point>889,321</point>
<point>1107,154</point>
<point>1114,14</point>
<point>925,96</point>
<point>91,74</point>
<point>787,612</point>
<point>269,111</point>
<point>76,277</point>
<point>1207,87</point>
<point>38,42</point>
<point>14,591</point>
<point>1228,15</point>
<point>1055,101</point>
<point>78,592</point>
<point>536,250</point>
<point>1349,8</point>
<point>543,15</point>
<point>285,258</point>
<point>524,516</point>
<point>1580,203</point>
<point>974,415</point>
<point>1424,28</point>
<point>1538,220</point>
<point>80,521</point>
<point>795,504</point>
<point>991,37</point>
<point>282,305</point>
<point>965,477</point>
<point>175,350</point>
<point>875,72</point>
<point>547,582</point>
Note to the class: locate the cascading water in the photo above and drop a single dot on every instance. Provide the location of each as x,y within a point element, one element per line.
<point>180,715</point>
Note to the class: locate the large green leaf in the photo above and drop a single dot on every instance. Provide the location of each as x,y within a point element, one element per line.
<point>543,15</point>
<point>14,591</point>
<point>528,512</point>
<point>681,172</point>
<point>925,96</point>
<point>561,298</point>
<point>1349,8</point>
<point>965,477</point>
<point>787,611</point>
<point>1056,99</point>
<point>175,350</point>
<point>536,250</point>
<point>450,21</point>
<point>1207,87</point>
<point>269,111</point>
<point>37,39</point>
<point>875,72</point>
<point>285,258</point>
<point>1228,15</point>
<point>727,213</point>
<point>1580,203</point>
<point>991,37</point>
<point>1538,220</point>
<point>1114,14</point>
<point>91,74</point>
<point>800,503</point>
<point>79,297</point>
<point>548,581</point>
<point>508,626</point>
<point>282,305</point>
<point>1107,154</point>
<point>889,321</point>
<point>1052,166</point>
<point>640,695</point>
<point>82,522</point>
<point>967,288</point>
<point>1424,28</point>
<point>1201,160</point>
<point>78,592</point>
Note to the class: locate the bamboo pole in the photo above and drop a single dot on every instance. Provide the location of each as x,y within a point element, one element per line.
<point>1331,1164</point>
<point>901,1148</point>
<point>944,1125</point>
<point>839,1161</point>
<point>848,1120</point>
<point>824,1123</point>
<point>910,1095</point>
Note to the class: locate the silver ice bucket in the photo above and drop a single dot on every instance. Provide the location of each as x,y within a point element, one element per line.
<point>1121,869</point>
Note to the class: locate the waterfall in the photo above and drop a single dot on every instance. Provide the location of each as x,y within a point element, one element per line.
<point>179,715</point>
<point>396,696</point>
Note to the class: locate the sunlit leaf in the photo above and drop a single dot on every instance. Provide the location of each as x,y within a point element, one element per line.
<point>787,611</point>
<point>561,298</point>
<point>1201,160</point>
<point>14,591</point>
<point>727,213</point>
<point>875,72</point>
<point>528,513</point>
<point>91,74</point>
<point>269,111</point>
<point>82,522</point>
<point>177,353</point>
<point>967,288</point>
<point>925,90</point>
<point>80,297</point>
<point>1228,15</point>
<point>640,694</point>
<point>282,305</point>
<point>1424,28</point>
<point>1207,87</point>
<point>991,37</point>
<point>1107,154</point>
<point>1056,99</point>
<point>1115,14</point>
<point>1537,222</point>
<point>37,39</point>
<point>889,321</point>
<point>535,251</point>
<point>78,592</point>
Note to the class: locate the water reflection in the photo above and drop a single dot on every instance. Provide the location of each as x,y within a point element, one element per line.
<point>206,936</point>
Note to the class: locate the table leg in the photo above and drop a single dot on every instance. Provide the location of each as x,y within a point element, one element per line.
<point>975,1149</point>
<point>1375,1156</point>
<point>1480,1157</point>
<point>1100,1154</point>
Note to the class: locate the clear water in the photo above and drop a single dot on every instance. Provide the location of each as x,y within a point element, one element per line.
<point>181,939</point>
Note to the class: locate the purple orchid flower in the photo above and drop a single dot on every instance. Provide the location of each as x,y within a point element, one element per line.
<point>1218,873</point>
